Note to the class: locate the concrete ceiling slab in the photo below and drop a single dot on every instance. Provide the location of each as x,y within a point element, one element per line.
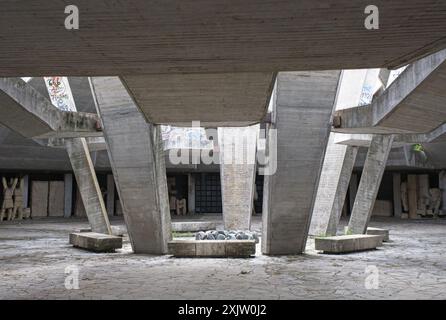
<point>172,36</point>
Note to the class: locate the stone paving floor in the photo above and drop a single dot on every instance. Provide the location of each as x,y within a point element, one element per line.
<point>34,257</point>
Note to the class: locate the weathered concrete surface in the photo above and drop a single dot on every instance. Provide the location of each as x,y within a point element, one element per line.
<point>24,110</point>
<point>88,185</point>
<point>39,200</point>
<point>303,104</point>
<point>118,231</point>
<point>222,36</point>
<point>56,199</point>
<point>212,248</point>
<point>221,99</point>
<point>348,243</point>
<point>384,233</point>
<point>97,242</point>
<point>372,173</point>
<point>237,156</point>
<point>137,158</point>
<point>192,226</point>
<point>34,257</point>
<point>414,102</point>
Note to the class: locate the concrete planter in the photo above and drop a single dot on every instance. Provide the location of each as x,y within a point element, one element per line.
<point>212,248</point>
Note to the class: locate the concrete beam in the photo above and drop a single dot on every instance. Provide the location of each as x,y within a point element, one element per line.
<point>372,173</point>
<point>202,36</point>
<point>24,110</point>
<point>414,102</point>
<point>136,155</point>
<point>303,105</point>
<point>88,185</point>
<point>399,140</point>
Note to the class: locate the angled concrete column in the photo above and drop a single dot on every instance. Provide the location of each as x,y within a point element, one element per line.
<point>87,182</point>
<point>237,154</point>
<point>136,155</point>
<point>68,194</point>
<point>371,177</point>
<point>356,87</point>
<point>303,104</point>
<point>110,195</point>
<point>333,186</point>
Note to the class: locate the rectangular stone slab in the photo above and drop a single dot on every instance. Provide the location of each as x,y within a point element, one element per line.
<point>116,230</point>
<point>347,243</point>
<point>96,242</point>
<point>379,232</point>
<point>212,248</point>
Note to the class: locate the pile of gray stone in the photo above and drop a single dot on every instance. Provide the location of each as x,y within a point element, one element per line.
<point>227,235</point>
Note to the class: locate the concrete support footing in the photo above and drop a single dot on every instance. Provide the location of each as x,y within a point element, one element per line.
<point>348,243</point>
<point>379,232</point>
<point>96,242</point>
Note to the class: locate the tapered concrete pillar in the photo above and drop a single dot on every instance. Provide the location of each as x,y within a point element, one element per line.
<point>136,155</point>
<point>68,195</point>
<point>237,154</point>
<point>333,186</point>
<point>302,107</point>
<point>371,177</point>
<point>87,182</point>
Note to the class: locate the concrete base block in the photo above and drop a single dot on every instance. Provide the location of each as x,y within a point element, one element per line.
<point>212,248</point>
<point>379,232</point>
<point>348,243</point>
<point>193,226</point>
<point>96,242</point>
